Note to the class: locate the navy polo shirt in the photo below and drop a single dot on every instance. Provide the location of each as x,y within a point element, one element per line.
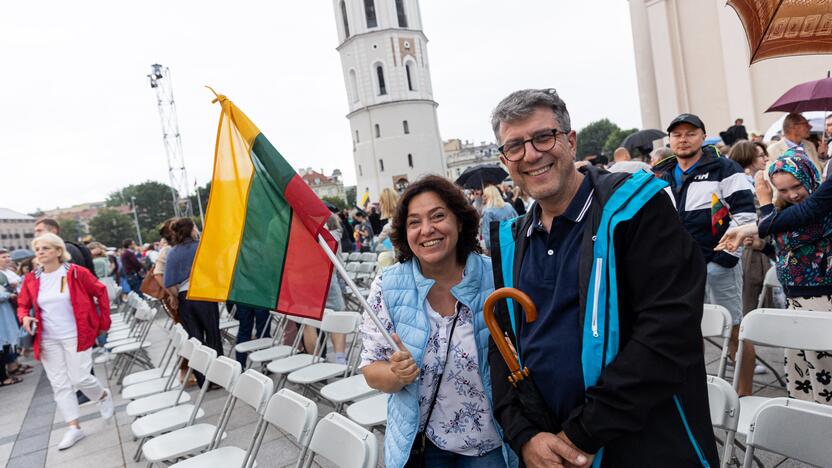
<point>550,346</point>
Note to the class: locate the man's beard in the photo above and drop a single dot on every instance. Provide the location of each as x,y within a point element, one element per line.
<point>689,154</point>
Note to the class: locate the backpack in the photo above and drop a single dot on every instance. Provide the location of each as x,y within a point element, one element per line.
<point>86,256</point>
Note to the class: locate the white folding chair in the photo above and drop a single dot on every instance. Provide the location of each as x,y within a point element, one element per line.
<point>793,428</point>
<point>365,273</point>
<point>348,389</point>
<point>278,351</point>
<point>169,419</point>
<point>792,329</point>
<point>252,387</point>
<point>370,412</point>
<point>334,322</point>
<point>158,385</point>
<point>178,335</point>
<point>260,342</point>
<point>343,443</point>
<point>290,364</point>
<point>354,257</point>
<point>158,401</point>
<point>717,322</point>
<point>725,412</point>
<point>370,257</point>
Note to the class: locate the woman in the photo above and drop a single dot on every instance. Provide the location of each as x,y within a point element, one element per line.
<point>65,326</point>
<point>750,156</point>
<point>521,201</point>
<point>99,260</point>
<point>804,268</point>
<point>494,209</point>
<point>434,295</point>
<point>201,319</point>
<point>387,202</point>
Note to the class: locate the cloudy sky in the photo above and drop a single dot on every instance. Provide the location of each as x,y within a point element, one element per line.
<point>80,120</point>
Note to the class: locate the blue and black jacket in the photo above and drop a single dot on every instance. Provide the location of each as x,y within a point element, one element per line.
<point>642,281</point>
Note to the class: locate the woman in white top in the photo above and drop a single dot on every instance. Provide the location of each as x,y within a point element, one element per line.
<point>66,322</point>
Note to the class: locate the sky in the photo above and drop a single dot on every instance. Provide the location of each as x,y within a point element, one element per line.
<point>80,119</point>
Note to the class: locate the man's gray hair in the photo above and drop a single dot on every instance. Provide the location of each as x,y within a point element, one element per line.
<point>521,104</point>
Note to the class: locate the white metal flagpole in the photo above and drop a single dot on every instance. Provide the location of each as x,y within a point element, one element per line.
<point>343,272</point>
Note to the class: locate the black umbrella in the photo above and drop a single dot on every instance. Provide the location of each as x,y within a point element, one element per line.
<point>534,407</point>
<point>643,138</point>
<point>482,175</point>
<point>331,207</point>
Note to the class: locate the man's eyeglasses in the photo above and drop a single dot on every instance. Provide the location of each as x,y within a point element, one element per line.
<point>515,150</point>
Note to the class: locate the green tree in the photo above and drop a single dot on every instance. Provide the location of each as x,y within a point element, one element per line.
<point>204,192</point>
<point>616,138</point>
<point>591,139</point>
<point>70,229</point>
<point>351,195</point>
<point>153,205</point>
<point>337,201</point>
<point>111,227</point>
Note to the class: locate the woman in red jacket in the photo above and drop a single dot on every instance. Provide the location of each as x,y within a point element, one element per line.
<point>65,326</point>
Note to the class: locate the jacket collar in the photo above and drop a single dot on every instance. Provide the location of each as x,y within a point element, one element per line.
<point>465,291</point>
<point>39,270</point>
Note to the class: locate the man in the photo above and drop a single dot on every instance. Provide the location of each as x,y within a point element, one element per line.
<point>624,162</point>
<point>659,154</point>
<point>711,194</point>
<point>796,130</point>
<point>131,265</point>
<point>611,361</point>
<point>12,278</point>
<point>79,253</point>
<point>735,133</point>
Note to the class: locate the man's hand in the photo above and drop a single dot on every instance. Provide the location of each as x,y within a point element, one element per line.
<point>402,364</point>
<point>763,189</point>
<point>754,242</point>
<point>561,435</point>
<point>546,450</point>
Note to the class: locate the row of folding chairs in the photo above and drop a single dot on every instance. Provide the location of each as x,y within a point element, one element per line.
<point>172,433</point>
<point>793,428</point>
<point>127,338</point>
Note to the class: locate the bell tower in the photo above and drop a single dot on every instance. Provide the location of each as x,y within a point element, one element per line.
<point>392,114</point>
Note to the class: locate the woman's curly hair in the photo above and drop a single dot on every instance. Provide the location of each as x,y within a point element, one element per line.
<point>453,196</point>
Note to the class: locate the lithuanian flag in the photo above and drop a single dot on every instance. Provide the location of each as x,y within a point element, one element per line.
<point>718,213</point>
<point>259,246</point>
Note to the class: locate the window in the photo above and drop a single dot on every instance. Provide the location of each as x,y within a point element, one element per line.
<point>356,136</point>
<point>354,86</point>
<point>382,88</point>
<point>344,19</point>
<point>370,13</point>
<point>378,131</point>
<point>401,14</point>
<point>405,127</point>
<point>381,165</point>
<point>409,73</point>
<point>410,160</point>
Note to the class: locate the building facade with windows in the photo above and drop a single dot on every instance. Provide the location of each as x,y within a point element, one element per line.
<point>16,230</point>
<point>392,113</point>
<point>323,185</point>
<point>460,155</point>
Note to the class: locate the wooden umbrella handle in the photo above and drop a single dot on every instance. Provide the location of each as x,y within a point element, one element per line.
<point>509,355</point>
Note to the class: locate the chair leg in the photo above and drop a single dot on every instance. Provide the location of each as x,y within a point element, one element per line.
<point>138,455</point>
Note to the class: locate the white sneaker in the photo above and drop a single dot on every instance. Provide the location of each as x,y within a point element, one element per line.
<point>105,406</point>
<point>71,436</point>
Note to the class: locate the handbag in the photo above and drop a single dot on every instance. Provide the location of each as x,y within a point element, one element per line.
<point>417,450</point>
<point>151,287</point>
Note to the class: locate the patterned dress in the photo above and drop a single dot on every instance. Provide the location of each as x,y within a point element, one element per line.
<point>809,373</point>
<point>461,421</point>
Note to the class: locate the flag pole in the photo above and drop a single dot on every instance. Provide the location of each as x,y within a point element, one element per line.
<point>343,272</point>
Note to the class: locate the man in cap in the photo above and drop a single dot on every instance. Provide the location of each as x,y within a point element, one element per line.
<point>796,131</point>
<point>711,193</point>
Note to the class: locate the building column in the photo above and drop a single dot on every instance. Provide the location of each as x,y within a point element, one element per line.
<point>647,94</point>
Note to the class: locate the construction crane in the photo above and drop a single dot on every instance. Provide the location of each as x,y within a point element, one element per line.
<point>161,82</point>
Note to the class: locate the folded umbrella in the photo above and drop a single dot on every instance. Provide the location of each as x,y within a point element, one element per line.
<point>534,407</point>
<point>810,96</point>
<point>481,175</point>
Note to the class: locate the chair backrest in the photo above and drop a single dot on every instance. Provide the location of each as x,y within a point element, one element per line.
<point>793,428</point>
<point>293,414</point>
<point>201,359</point>
<point>723,403</point>
<point>224,372</point>
<point>793,329</point>
<point>369,257</point>
<point>254,389</point>
<point>368,267</point>
<point>716,321</point>
<point>353,266</point>
<point>344,442</point>
<point>188,347</point>
<point>341,322</point>
<point>770,280</point>
<point>180,336</point>
<point>308,322</point>
<point>354,257</point>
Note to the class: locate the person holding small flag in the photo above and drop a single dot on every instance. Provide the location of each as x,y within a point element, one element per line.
<point>711,194</point>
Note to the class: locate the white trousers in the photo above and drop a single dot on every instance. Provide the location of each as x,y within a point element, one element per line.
<point>67,370</point>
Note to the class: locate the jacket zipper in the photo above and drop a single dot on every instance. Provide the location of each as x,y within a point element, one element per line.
<point>599,262</point>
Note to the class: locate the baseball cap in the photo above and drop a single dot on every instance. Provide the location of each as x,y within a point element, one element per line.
<point>686,118</point>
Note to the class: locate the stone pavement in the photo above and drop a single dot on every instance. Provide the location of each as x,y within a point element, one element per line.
<point>30,426</point>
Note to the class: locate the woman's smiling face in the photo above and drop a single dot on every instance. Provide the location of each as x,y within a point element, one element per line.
<point>432,229</point>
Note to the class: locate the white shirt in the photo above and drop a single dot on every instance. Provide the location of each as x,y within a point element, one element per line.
<point>14,278</point>
<point>57,321</point>
<point>462,419</point>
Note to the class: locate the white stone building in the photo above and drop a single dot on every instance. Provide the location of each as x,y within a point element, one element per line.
<point>16,229</point>
<point>692,56</point>
<point>460,155</point>
<point>392,113</point>
<point>323,185</point>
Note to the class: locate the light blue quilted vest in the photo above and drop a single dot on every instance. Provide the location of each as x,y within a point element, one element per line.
<point>405,291</point>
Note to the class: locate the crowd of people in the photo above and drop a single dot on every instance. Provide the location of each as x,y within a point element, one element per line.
<point>618,258</point>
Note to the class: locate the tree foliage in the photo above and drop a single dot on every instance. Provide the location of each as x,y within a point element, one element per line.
<point>351,195</point>
<point>154,204</point>
<point>111,227</point>
<point>593,137</point>
<point>615,139</point>
<point>337,201</point>
<point>204,192</point>
<point>70,229</point>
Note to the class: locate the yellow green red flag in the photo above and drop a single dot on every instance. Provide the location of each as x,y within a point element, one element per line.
<point>260,242</point>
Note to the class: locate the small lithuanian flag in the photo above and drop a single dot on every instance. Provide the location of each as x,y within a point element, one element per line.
<point>259,246</point>
<point>718,213</point>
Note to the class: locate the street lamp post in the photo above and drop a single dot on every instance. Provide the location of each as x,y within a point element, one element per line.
<point>136,220</point>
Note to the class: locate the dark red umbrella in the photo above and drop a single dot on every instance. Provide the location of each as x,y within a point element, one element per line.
<point>810,96</point>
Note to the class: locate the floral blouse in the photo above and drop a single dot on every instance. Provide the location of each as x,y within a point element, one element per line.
<point>462,420</point>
